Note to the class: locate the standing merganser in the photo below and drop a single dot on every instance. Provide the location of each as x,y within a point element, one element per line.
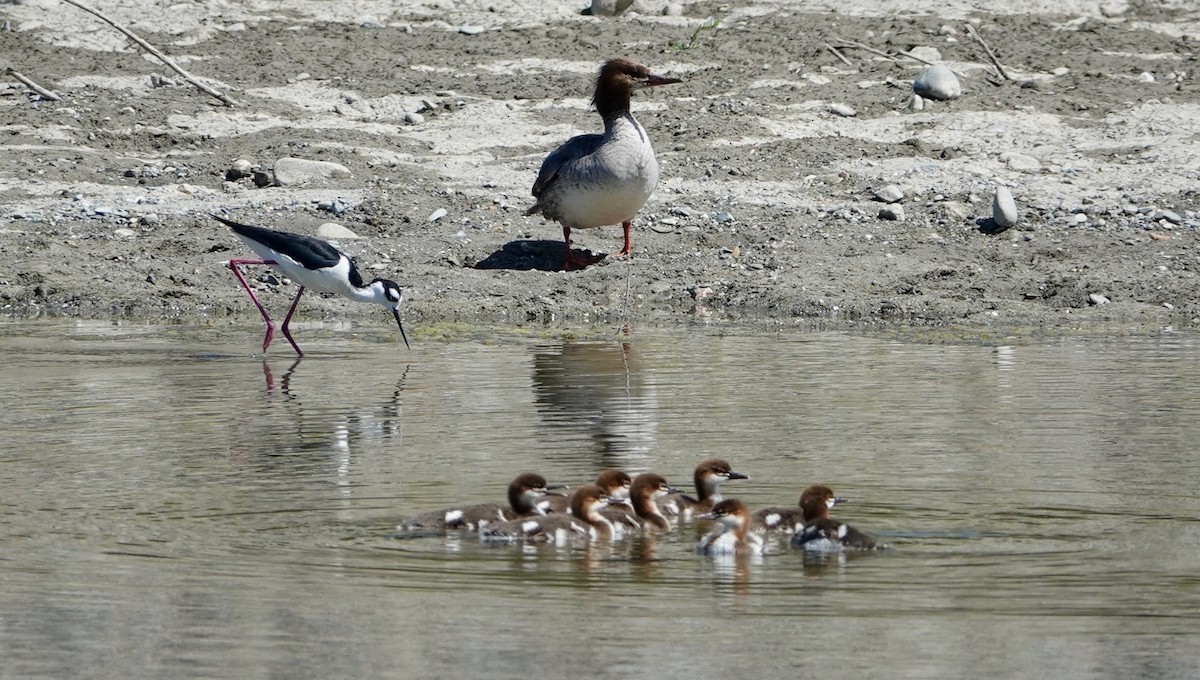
<point>524,493</point>
<point>600,179</point>
<point>732,535</point>
<point>614,483</point>
<point>584,523</point>
<point>314,264</point>
<point>707,477</point>
<point>822,534</point>
<point>815,503</point>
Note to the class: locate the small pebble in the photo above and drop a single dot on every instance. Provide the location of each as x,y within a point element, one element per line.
<point>1020,162</point>
<point>239,169</point>
<point>1146,77</point>
<point>124,233</point>
<point>414,118</point>
<point>1004,208</point>
<point>722,217</point>
<point>470,30</point>
<point>1168,215</point>
<point>894,213</point>
<point>334,230</point>
<point>888,194</point>
<point>842,110</point>
<point>915,103</point>
<point>937,82</point>
<point>1096,299</point>
<point>437,214</point>
<point>662,228</point>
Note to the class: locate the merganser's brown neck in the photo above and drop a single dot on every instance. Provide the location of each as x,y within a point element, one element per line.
<point>815,502</point>
<point>524,491</point>
<point>585,505</point>
<point>615,85</point>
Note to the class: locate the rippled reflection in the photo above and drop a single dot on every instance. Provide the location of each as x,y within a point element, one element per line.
<point>173,506</point>
<point>602,390</point>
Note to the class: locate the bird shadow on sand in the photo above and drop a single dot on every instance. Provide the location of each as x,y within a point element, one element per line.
<point>545,256</point>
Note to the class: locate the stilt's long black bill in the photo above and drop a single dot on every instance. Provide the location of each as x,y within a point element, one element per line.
<point>396,313</point>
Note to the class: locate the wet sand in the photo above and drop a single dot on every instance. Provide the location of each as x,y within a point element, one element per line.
<point>765,213</point>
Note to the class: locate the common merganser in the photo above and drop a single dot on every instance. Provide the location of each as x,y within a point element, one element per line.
<point>815,503</point>
<point>732,535</point>
<point>707,477</point>
<point>599,179</point>
<point>822,534</point>
<point>314,264</point>
<point>647,489</point>
<point>524,493</point>
<point>615,484</point>
<point>584,523</point>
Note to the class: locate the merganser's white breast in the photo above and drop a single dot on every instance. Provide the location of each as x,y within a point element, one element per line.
<point>597,180</point>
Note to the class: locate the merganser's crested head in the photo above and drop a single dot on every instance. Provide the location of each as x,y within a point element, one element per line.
<point>649,486</point>
<point>614,483</point>
<point>524,491</point>
<point>816,502</point>
<point>617,81</point>
<point>587,501</point>
<point>731,513</point>
<point>710,473</point>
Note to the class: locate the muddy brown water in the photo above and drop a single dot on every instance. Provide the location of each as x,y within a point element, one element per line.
<point>173,505</point>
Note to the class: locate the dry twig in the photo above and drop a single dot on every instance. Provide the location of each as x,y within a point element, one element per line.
<point>991,55</point>
<point>837,53</point>
<point>865,48</point>
<point>152,50</point>
<point>45,94</point>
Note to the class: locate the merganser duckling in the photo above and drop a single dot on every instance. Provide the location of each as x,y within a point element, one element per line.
<point>732,535</point>
<point>707,477</point>
<point>524,493</point>
<point>822,534</point>
<point>614,483</point>
<point>584,523</point>
<point>815,503</point>
<point>643,496</point>
<point>600,179</point>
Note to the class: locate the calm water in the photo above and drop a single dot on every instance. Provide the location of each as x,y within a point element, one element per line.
<point>173,506</point>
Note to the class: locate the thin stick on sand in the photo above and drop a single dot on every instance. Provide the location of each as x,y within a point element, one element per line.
<point>991,55</point>
<point>837,53</point>
<point>151,49</point>
<point>45,94</point>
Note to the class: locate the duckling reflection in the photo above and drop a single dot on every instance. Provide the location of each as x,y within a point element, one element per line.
<point>598,389</point>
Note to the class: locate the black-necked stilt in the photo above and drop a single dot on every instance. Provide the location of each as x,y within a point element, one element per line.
<point>314,264</point>
<point>599,179</point>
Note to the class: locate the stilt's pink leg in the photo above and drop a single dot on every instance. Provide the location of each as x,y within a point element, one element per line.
<point>287,319</point>
<point>233,266</point>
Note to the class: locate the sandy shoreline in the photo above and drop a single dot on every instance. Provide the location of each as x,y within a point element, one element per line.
<point>765,213</point>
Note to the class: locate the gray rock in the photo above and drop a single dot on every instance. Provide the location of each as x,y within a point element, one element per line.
<point>334,230</point>
<point>1004,208</point>
<point>1168,215</point>
<point>297,171</point>
<point>239,169</point>
<point>1096,299</point>
<point>437,215</point>
<point>124,233</point>
<point>895,213</point>
<point>609,8</point>
<point>1020,162</point>
<point>414,118</point>
<point>470,30</point>
<point>888,194</point>
<point>842,110</point>
<point>937,82</point>
<point>722,217</point>
<point>673,9</point>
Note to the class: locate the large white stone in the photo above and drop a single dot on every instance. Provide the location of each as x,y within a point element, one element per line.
<point>937,82</point>
<point>296,171</point>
